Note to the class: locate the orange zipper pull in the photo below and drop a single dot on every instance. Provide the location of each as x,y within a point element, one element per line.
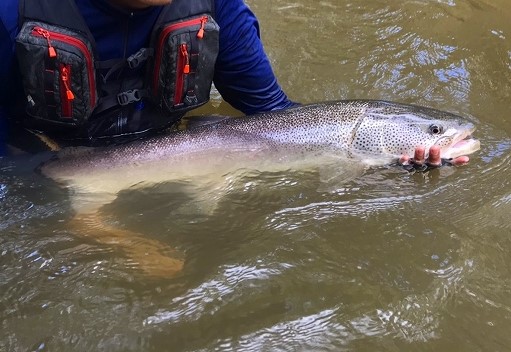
<point>64,75</point>
<point>51,50</point>
<point>184,53</point>
<point>200,33</point>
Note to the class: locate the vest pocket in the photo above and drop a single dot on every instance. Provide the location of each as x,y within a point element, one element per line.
<point>184,60</point>
<point>58,74</point>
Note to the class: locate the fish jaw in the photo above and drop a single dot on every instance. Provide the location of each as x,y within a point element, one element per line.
<point>461,148</point>
<point>460,144</point>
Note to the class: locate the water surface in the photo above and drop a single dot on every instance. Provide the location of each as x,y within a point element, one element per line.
<point>387,262</point>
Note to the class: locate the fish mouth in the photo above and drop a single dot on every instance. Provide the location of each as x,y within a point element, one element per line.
<point>462,144</point>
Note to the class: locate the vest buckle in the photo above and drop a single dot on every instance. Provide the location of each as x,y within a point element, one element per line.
<point>140,56</point>
<point>129,96</point>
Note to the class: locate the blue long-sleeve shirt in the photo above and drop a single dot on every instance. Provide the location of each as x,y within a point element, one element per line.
<point>243,74</point>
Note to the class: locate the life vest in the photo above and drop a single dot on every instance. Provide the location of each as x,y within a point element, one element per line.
<point>61,71</point>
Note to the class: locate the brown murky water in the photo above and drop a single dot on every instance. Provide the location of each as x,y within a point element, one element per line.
<point>389,262</point>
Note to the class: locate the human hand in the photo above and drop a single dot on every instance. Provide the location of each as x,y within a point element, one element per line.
<point>434,160</point>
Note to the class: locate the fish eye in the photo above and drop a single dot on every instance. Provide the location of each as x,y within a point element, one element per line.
<point>436,129</point>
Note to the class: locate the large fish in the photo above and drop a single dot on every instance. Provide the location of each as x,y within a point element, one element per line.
<point>337,134</point>
<point>374,132</point>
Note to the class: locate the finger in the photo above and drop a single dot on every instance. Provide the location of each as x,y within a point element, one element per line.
<point>419,155</point>
<point>404,159</point>
<point>434,158</point>
<point>460,160</point>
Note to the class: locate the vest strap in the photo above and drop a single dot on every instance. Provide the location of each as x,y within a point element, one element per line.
<point>122,99</point>
<point>107,64</point>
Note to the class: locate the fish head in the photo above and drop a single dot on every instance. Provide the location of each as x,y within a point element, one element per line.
<point>399,133</point>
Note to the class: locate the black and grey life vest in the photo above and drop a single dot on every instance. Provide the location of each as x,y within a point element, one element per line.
<point>61,71</point>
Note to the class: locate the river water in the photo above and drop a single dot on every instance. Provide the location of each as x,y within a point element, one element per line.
<point>387,262</point>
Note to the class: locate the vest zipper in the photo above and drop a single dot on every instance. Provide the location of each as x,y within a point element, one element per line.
<point>159,50</point>
<point>48,35</point>
<point>200,33</point>
<point>44,33</point>
<point>66,95</point>
<point>183,68</point>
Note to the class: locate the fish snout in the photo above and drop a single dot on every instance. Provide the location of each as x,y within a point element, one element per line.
<point>458,144</point>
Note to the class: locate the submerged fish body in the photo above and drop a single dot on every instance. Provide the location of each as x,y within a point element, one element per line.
<point>374,132</point>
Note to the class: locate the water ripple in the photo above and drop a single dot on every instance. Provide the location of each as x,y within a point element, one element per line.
<point>211,296</point>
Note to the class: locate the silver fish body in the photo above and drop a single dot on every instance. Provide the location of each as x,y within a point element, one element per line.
<point>374,132</point>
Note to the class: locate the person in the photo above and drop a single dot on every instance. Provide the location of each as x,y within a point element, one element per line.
<point>95,71</point>
<point>114,70</point>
